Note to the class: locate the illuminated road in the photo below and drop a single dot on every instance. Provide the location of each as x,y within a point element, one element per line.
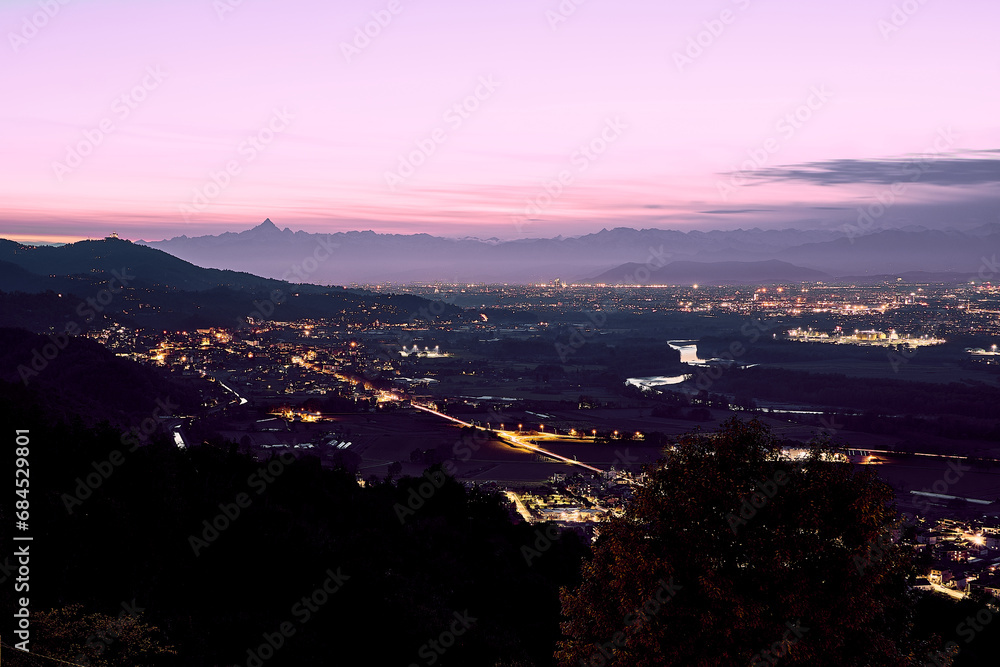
<point>242,401</point>
<point>235,393</point>
<point>521,509</point>
<point>513,439</point>
<point>958,595</point>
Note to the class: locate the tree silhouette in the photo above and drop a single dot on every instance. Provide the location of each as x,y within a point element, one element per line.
<point>731,550</point>
<point>94,639</point>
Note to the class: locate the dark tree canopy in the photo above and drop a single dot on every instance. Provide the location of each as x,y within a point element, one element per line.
<point>97,640</point>
<point>161,531</point>
<point>792,572</point>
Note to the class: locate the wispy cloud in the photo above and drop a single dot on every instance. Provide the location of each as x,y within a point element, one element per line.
<point>735,210</point>
<point>948,171</point>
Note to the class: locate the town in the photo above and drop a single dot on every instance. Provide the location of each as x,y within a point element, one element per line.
<point>485,394</point>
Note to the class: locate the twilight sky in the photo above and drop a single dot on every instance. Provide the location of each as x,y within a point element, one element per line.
<point>506,119</point>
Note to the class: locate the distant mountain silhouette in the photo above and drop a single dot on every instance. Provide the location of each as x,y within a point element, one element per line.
<point>102,258</point>
<point>897,251</point>
<point>367,257</point>
<point>150,288</point>
<point>708,273</point>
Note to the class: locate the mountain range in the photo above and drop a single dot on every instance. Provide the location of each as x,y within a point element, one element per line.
<point>365,257</point>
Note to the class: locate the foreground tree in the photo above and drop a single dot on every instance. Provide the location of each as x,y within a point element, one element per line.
<point>733,554</point>
<point>98,640</point>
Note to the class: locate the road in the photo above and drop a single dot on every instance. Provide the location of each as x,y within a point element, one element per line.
<point>235,393</point>
<point>521,509</point>
<point>958,595</point>
<point>238,400</point>
<point>513,439</point>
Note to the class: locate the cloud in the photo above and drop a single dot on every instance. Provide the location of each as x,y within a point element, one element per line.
<point>736,210</point>
<point>931,169</point>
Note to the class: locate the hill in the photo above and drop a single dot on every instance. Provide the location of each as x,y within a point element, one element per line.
<point>107,258</point>
<point>118,281</point>
<point>75,377</point>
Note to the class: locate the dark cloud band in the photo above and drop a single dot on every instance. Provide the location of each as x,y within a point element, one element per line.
<point>929,169</point>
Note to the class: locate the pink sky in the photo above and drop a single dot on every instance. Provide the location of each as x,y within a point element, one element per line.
<point>329,127</point>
